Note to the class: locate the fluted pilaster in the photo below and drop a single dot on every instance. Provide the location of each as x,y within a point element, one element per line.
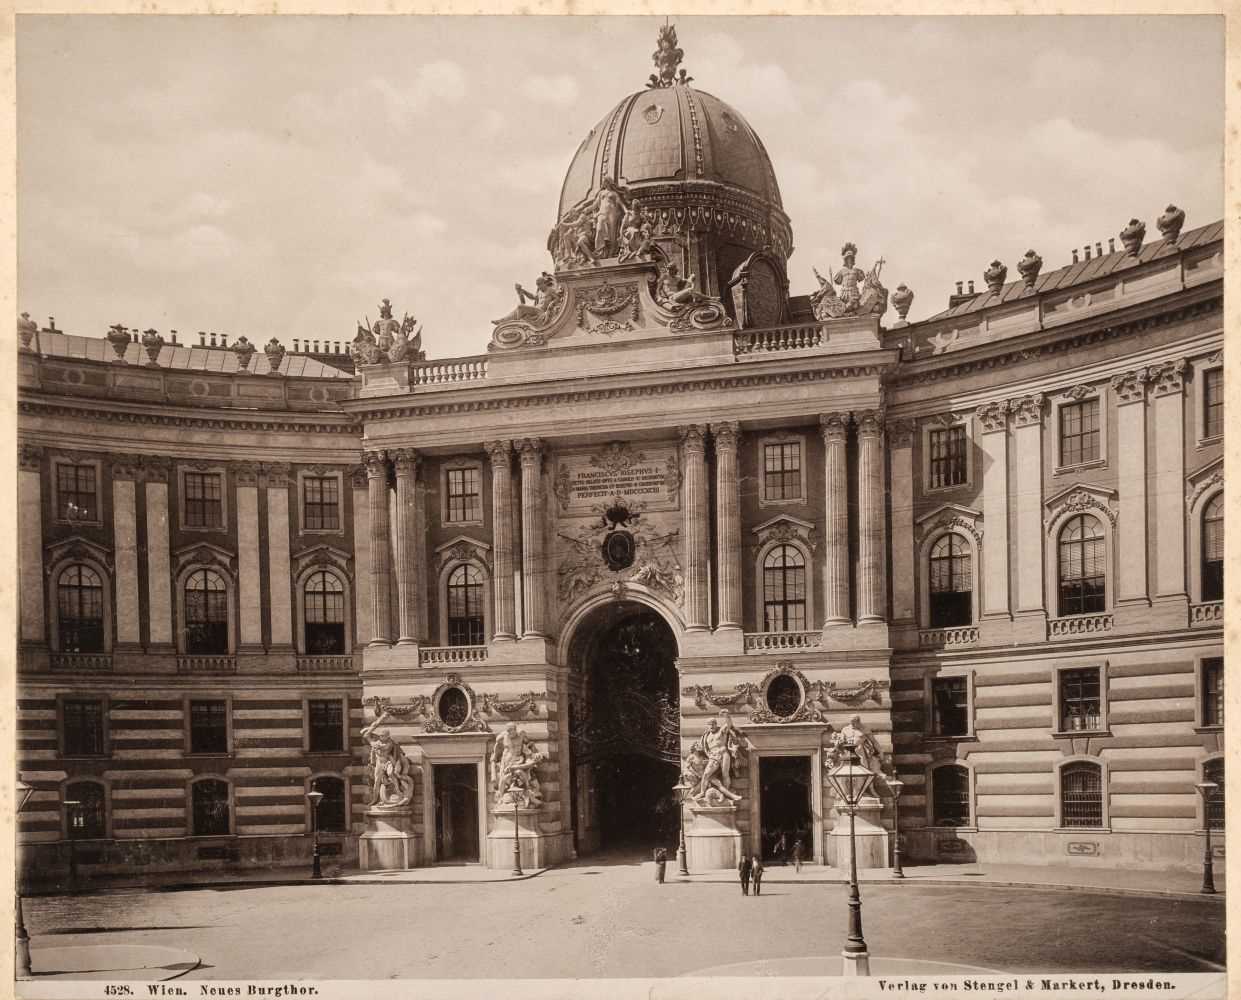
<point>405,558</point>
<point>501,455</point>
<point>694,497</point>
<point>381,555</point>
<point>872,592</point>
<point>835,427</point>
<point>728,523</point>
<point>533,559</point>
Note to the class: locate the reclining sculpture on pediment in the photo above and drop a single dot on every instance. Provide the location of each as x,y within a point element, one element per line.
<point>681,306</point>
<point>526,322</point>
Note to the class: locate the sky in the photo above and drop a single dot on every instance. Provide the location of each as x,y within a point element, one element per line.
<point>279,176</point>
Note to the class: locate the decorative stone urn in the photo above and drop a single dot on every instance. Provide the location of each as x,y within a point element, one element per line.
<point>26,329</point>
<point>902,299</point>
<point>153,343</point>
<point>118,337</point>
<point>244,351</point>
<point>1170,223</point>
<point>1028,267</point>
<point>995,276</point>
<point>275,354</point>
<point>1132,236</point>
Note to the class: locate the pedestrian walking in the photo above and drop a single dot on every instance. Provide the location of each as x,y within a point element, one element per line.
<point>756,875</point>
<point>661,862</point>
<point>743,869</point>
<point>781,850</point>
<point>797,854</point>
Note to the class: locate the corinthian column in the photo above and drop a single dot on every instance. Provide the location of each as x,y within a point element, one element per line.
<point>404,556</point>
<point>836,566</point>
<point>533,563</point>
<point>381,556</point>
<point>501,455</point>
<point>693,457</point>
<point>872,592</point>
<point>728,523</point>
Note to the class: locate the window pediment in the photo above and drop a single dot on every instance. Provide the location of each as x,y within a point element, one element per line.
<point>206,554</point>
<point>78,548</point>
<point>1205,478</point>
<point>784,528</point>
<point>951,515</point>
<point>463,549</point>
<point>322,555</point>
<point>1080,499</point>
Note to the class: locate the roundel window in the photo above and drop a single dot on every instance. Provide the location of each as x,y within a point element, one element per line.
<point>783,696</point>
<point>453,708</point>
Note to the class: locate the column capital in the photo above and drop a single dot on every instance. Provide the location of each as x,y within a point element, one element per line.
<point>406,461</point>
<point>376,463</point>
<point>869,422</point>
<point>1130,387</point>
<point>156,468</point>
<point>357,476</point>
<point>1169,377</point>
<point>725,433</point>
<point>531,450</point>
<point>993,416</point>
<point>275,474</point>
<point>1027,410</point>
<point>126,466</point>
<point>692,437</point>
<point>498,451</point>
<point>834,426</point>
<point>247,473</point>
<point>901,432</point>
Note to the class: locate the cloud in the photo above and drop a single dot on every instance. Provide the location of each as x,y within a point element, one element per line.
<point>434,84</point>
<point>560,90</point>
<point>534,173</point>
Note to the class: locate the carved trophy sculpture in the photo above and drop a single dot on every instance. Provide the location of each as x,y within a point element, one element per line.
<point>524,325</point>
<point>514,761</point>
<point>667,58</point>
<point>391,773</point>
<point>682,304</point>
<point>861,293</point>
<point>387,340</point>
<point>708,767</point>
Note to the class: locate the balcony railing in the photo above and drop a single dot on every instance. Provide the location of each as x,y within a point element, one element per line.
<point>324,664</point>
<point>428,655</point>
<point>450,371</point>
<point>941,638</point>
<point>206,664</point>
<point>1079,625</point>
<point>1208,613</point>
<point>788,338</point>
<point>83,662</point>
<point>766,642</point>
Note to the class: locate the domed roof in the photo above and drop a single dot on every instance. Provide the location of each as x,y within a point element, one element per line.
<point>671,134</point>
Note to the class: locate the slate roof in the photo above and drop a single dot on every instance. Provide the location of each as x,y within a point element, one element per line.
<point>1082,271</point>
<point>177,357</point>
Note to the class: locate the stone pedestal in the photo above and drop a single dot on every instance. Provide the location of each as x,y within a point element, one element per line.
<point>712,839</point>
<point>389,842</point>
<point>868,833</point>
<point>536,849</point>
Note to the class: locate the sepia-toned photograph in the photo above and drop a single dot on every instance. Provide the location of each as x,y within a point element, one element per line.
<point>656,506</point>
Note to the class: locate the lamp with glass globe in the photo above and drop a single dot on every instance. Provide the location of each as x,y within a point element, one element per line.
<point>850,781</point>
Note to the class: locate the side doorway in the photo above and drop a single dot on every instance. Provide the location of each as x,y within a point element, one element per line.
<point>456,813</point>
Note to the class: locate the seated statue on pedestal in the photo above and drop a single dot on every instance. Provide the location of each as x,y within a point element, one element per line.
<point>515,758</point>
<point>391,773</point>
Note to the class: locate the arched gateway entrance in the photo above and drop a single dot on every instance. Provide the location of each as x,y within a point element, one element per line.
<point>624,730</point>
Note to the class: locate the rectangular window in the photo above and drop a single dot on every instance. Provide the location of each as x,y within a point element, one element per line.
<point>1081,795</point>
<point>465,497</point>
<point>1213,403</point>
<point>321,503</point>
<point>204,502</point>
<point>950,706</point>
<point>782,471</point>
<point>76,498</point>
<point>1213,691</point>
<point>208,726</point>
<point>948,463</point>
<point>325,725</point>
<point>1079,432</point>
<point>1080,703</point>
<point>83,727</point>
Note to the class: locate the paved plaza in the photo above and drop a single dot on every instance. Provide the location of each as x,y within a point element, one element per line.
<point>610,919</point>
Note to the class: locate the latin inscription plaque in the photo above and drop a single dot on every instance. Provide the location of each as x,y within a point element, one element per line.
<point>646,477</point>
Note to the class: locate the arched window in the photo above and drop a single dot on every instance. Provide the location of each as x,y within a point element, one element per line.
<point>1083,555</point>
<point>950,796</point>
<point>79,598</point>
<point>1213,770</point>
<point>784,590</point>
<point>465,607</point>
<point>86,810</point>
<point>206,614</point>
<point>1213,549</point>
<point>325,614</point>
<point>333,812</point>
<point>1081,794</point>
<point>952,583</point>
<point>209,801</point>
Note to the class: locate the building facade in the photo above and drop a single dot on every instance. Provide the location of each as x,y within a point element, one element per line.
<point>669,488</point>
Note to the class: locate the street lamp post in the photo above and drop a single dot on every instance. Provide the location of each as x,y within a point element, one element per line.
<point>21,938</point>
<point>682,791</point>
<point>315,797</point>
<point>897,787</point>
<point>71,818</point>
<point>850,782</point>
<point>1206,789</point>
<point>516,842</point>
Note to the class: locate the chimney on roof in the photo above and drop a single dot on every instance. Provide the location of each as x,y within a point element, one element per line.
<point>960,288</point>
<point>134,336</point>
<point>971,287</point>
<point>174,335</point>
<point>1087,248</point>
<point>1111,245</point>
<point>213,338</point>
<point>1098,249</point>
<point>336,347</point>
<point>1074,256</point>
<point>296,348</point>
<point>202,339</point>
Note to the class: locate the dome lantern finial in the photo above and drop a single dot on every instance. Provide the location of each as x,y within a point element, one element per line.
<point>667,57</point>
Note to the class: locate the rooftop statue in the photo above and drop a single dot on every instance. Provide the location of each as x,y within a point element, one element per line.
<point>546,301</point>
<point>674,292</point>
<point>591,230</point>
<point>637,237</point>
<point>861,293</point>
<point>667,57</point>
<point>387,340</point>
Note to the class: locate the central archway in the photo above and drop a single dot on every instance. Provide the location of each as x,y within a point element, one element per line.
<point>624,731</point>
